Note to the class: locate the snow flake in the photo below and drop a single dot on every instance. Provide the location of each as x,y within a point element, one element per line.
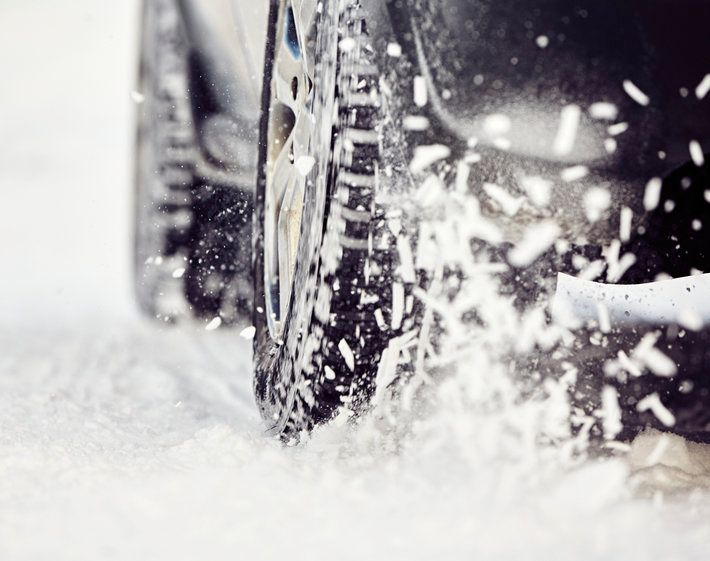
<point>652,194</point>
<point>603,111</point>
<point>653,404</point>
<point>394,50</point>
<point>696,153</point>
<point>424,156</point>
<point>248,332</point>
<point>635,93</point>
<point>420,91</point>
<point>537,239</point>
<point>214,323</point>
<point>567,131</point>
<point>347,354</point>
<point>703,87</point>
<point>574,173</point>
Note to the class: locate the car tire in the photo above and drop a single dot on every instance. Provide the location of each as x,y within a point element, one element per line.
<point>346,303</point>
<point>192,244</point>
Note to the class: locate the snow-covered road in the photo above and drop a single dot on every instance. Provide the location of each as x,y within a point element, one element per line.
<point>122,439</point>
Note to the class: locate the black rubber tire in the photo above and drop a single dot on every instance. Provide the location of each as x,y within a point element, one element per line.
<point>191,242</point>
<point>340,317</point>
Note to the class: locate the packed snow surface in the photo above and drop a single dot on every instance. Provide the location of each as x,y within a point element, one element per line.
<point>125,439</point>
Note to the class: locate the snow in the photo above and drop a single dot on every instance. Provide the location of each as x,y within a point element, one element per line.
<point>542,41</point>
<point>567,131</point>
<point>635,93</point>
<point>122,439</point>
<point>574,173</point>
<point>696,153</point>
<point>703,87</point>
<point>652,193</point>
<point>603,110</point>
<point>420,91</point>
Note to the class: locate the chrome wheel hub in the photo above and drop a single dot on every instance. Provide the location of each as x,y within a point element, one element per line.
<point>289,156</point>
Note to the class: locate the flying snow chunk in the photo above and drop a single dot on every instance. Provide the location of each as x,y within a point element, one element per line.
<point>574,173</point>
<point>537,189</point>
<point>415,123</point>
<point>424,156</point>
<point>625,218</point>
<point>214,324</point>
<point>635,93</point>
<point>420,92</point>
<point>703,87</point>
<point>394,49</point>
<point>497,124</point>
<point>509,204</point>
<point>346,45</point>
<point>596,202</point>
<point>542,41</point>
<point>304,164</point>
<point>603,111</point>
<point>696,153</point>
<point>690,319</point>
<point>652,193</point>
<point>347,354</point>
<point>329,373</point>
<point>137,97</point>
<point>248,333</point>
<point>617,128</point>
<point>611,413</point>
<point>178,273</point>
<point>537,239</point>
<point>653,404</point>
<point>567,131</point>
<point>397,305</point>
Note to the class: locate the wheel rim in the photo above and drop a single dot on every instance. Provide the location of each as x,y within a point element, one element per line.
<point>289,158</point>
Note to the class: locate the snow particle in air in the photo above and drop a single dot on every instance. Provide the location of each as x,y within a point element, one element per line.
<point>347,44</point>
<point>347,354</point>
<point>496,124</point>
<point>574,173</point>
<point>248,333</point>
<point>214,324</point>
<point>604,111</point>
<point>653,404</point>
<point>703,87</point>
<point>394,50</point>
<point>597,201</point>
<point>329,373</point>
<point>542,41</point>
<point>635,93</point>
<point>567,131</point>
<point>537,239</point>
<point>415,123</point>
<point>625,218</point>
<point>652,194</point>
<point>137,97</point>
<point>617,129</point>
<point>424,156</point>
<point>420,91</point>
<point>696,153</point>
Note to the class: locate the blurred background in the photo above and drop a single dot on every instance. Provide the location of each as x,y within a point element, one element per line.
<point>66,118</point>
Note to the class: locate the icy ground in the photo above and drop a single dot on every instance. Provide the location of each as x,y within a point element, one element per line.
<point>120,439</point>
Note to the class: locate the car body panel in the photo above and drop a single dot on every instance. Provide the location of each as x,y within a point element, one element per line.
<point>227,39</point>
<point>529,59</point>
